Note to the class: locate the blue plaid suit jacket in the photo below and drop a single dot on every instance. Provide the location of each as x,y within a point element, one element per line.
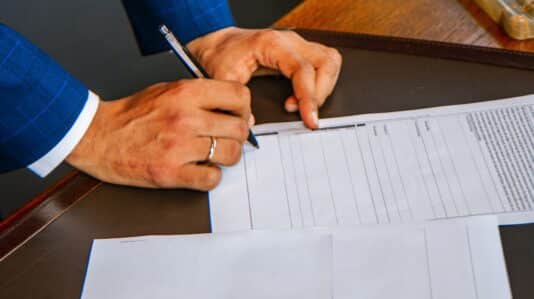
<point>40,101</point>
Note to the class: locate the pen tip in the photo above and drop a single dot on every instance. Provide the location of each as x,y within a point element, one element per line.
<point>252,140</point>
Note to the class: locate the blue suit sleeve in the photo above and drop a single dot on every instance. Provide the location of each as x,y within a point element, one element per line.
<point>188,19</point>
<point>39,101</point>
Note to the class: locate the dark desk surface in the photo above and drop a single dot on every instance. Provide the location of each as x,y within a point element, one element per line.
<point>52,263</point>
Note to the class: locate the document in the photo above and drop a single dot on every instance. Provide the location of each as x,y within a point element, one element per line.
<point>245,265</point>
<point>398,167</point>
<point>459,258</point>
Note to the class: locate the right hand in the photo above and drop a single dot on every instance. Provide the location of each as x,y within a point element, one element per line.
<point>157,137</point>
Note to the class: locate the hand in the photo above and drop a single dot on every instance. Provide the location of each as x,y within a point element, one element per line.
<point>236,54</point>
<point>157,137</point>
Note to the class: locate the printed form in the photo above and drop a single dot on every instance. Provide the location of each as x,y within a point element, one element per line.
<point>458,258</point>
<point>263,265</point>
<point>397,167</point>
<point>455,258</point>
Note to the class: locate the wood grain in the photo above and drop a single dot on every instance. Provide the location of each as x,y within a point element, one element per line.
<point>457,21</point>
<point>513,15</point>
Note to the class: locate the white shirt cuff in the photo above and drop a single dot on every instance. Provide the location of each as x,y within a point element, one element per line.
<point>58,153</point>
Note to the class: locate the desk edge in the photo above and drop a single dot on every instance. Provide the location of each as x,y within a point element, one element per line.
<point>34,216</point>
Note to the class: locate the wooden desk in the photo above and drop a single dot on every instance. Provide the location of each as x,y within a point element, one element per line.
<point>55,233</point>
<point>457,21</point>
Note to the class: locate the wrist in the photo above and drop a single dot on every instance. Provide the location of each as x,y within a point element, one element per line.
<point>86,152</point>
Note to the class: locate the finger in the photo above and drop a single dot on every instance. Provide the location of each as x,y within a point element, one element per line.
<point>326,81</point>
<point>302,75</point>
<point>301,72</point>
<point>327,62</point>
<point>304,88</point>
<point>229,70</point>
<point>227,151</point>
<point>280,54</point>
<point>228,96</point>
<point>202,177</point>
<point>309,113</point>
<point>291,104</point>
<point>218,124</point>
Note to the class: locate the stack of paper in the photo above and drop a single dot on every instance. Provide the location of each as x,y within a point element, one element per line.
<point>244,265</point>
<point>393,169</point>
<point>397,167</point>
<point>453,259</point>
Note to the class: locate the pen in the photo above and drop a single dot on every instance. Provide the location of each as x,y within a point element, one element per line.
<point>193,66</point>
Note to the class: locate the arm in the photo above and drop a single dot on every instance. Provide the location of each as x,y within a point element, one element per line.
<point>44,110</point>
<point>231,53</point>
<point>154,138</point>
<point>188,19</point>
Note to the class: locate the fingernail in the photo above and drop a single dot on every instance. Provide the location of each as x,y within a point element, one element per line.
<point>292,107</point>
<point>315,118</point>
<point>251,121</point>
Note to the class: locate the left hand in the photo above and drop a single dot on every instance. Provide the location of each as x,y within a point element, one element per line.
<point>237,54</point>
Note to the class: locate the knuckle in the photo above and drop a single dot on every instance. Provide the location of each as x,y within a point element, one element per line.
<point>305,66</point>
<point>224,74</point>
<point>158,173</point>
<point>178,87</point>
<point>184,123</point>
<point>270,36</point>
<point>167,142</point>
<point>292,34</point>
<point>236,73</point>
<point>242,92</point>
<point>334,55</point>
<point>182,89</point>
<point>234,153</point>
<point>242,130</point>
<point>157,86</point>
<point>178,122</point>
<point>188,180</point>
<point>205,125</point>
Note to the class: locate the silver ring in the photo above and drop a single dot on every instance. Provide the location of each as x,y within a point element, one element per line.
<point>212,149</point>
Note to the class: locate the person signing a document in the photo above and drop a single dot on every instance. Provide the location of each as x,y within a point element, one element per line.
<point>159,136</point>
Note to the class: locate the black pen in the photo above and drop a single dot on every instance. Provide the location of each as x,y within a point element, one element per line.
<point>193,66</point>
